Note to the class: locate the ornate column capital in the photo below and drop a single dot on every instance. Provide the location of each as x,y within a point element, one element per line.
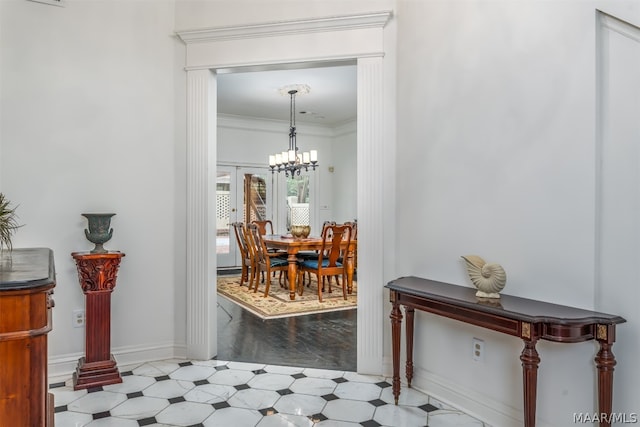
<point>97,272</point>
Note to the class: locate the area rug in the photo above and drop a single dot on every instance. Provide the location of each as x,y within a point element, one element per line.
<point>278,304</point>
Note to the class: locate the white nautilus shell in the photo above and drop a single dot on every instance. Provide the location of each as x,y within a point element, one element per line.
<point>489,279</point>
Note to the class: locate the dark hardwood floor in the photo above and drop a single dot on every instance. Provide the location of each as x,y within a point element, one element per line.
<point>323,341</point>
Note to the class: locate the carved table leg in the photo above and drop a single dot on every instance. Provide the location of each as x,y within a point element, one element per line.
<point>605,362</point>
<point>293,272</point>
<point>530,361</point>
<point>409,326</point>
<point>350,268</point>
<point>396,323</point>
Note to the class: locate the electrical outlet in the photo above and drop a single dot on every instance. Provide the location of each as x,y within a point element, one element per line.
<point>478,350</point>
<point>78,318</point>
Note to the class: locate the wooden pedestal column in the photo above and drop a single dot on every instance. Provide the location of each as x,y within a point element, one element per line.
<point>97,273</point>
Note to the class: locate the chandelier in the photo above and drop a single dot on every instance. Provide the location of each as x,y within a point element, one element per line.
<point>292,161</point>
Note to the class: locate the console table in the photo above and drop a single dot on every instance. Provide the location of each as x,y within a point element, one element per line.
<point>97,273</point>
<point>27,279</point>
<point>527,319</point>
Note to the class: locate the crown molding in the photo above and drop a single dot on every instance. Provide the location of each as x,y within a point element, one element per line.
<point>231,121</point>
<point>270,29</point>
<point>621,27</point>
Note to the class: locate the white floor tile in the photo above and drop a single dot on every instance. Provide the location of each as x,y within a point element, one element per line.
<point>93,403</point>
<point>405,416</point>
<point>156,369</point>
<point>112,422</point>
<point>408,396</point>
<point>349,410</point>
<point>210,393</point>
<point>192,373</point>
<point>231,377</point>
<point>300,404</point>
<point>254,399</point>
<point>358,391</point>
<point>322,373</point>
<point>64,395</point>
<point>452,419</point>
<point>271,381</point>
<point>139,408</point>
<point>185,414</point>
<point>72,419</point>
<point>285,420</point>
<point>168,389</point>
<point>245,366</point>
<point>315,386</point>
<point>233,417</point>
<point>130,384</point>
<point>286,370</point>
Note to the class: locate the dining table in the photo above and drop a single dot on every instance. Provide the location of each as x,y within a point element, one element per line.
<point>293,245</point>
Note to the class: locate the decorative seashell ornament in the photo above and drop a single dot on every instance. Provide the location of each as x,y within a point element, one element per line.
<point>489,279</point>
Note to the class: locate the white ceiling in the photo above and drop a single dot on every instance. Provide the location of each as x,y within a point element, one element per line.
<point>254,93</point>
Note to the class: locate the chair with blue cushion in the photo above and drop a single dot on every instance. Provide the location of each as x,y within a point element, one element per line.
<point>266,262</point>
<point>335,237</point>
<point>305,255</point>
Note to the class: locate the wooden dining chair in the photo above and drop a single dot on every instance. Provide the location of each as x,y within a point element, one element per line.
<point>248,258</point>
<point>354,236</point>
<point>304,255</point>
<point>264,226</point>
<point>326,264</point>
<point>266,262</point>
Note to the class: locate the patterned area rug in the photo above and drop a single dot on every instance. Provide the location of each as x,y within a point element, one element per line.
<point>278,304</point>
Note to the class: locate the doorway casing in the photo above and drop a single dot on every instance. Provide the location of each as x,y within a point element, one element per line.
<point>341,38</point>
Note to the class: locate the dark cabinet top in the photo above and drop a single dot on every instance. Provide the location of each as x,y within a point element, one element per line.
<point>506,306</point>
<point>26,268</point>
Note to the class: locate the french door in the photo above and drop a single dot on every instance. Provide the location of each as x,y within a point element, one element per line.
<point>243,194</point>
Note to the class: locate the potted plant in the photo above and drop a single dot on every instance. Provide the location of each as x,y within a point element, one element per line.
<point>8,223</point>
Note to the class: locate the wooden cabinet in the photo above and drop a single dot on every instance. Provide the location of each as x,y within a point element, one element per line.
<point>27,280</point>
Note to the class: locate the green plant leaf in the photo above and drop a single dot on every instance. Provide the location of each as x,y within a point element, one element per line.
<point>8,223</point>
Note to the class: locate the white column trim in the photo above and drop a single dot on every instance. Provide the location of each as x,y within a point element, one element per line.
<point>201,260</point>
<point>370,220</point>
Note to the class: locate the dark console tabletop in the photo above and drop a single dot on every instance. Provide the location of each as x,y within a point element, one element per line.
<point>26,268</point>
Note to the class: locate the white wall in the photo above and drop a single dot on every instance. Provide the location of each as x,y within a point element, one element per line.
<point>249,141</point>
<point>193,14</point>
<point>496,143</point>
<point>87,125</point>
<point>344,173</point>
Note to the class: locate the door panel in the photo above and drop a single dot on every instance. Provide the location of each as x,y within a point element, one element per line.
<point>226,246</point>
<point>243,194</point>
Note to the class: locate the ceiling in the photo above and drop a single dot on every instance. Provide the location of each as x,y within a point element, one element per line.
<point>254,92</point>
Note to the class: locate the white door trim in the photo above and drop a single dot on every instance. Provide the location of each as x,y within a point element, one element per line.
<point>352,37</point>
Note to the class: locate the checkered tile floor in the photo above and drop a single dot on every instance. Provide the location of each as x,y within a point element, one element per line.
<point>219,393</point>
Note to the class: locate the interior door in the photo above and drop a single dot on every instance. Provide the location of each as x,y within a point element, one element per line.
<point>226,214</point>
<point>244,194</point>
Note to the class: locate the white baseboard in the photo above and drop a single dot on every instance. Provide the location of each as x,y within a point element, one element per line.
<point>61,368</point>
<point>477,405</point>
